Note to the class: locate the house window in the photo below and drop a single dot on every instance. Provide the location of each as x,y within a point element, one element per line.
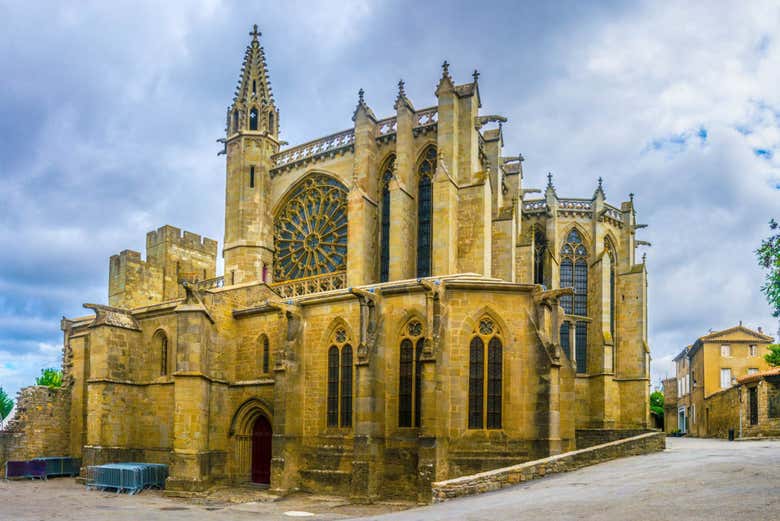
<point>574,274</point>
<point>725,378</point>
<point>753,351</point>
<point>425,171</point>
<point>384,238</point>
<point>725,350</point>
<point>410,376</point>
<point>339,390</point>
<point>485,379</point>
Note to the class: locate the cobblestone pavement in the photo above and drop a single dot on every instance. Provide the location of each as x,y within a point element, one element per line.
<point>693,479</point>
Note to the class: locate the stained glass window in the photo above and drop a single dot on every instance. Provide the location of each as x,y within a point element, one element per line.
<point>494,384</point>
<point>565,341</point>
<point>581,346</point>
<point>405,384</point>
<point>311,229</point>
<point>384,247</point>
<point>476,382</point>
<point>346,386</point>
<point>425,172</point>
<point>574,274</point>
<point>418,381</point>
<point>333,386</point>
<point>253,119</point>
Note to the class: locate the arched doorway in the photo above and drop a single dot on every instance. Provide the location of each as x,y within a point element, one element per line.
<point>261,451</point>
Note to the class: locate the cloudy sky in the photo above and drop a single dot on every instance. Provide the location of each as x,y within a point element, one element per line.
<point>109,112</point>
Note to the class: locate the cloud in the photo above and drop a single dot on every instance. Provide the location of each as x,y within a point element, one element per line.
<point>110,114</point>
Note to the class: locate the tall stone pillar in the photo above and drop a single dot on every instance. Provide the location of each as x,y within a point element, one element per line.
<point>190,469</point>
<point>403,194</point>
<point>362,236</point>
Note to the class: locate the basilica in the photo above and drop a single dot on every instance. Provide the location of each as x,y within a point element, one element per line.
<point>396,309</point>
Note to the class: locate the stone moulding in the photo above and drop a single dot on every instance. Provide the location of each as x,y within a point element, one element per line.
<point>508,476</point>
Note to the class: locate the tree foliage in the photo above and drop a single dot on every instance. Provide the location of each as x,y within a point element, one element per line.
<point>50,377</point>
<point>773,356</point>
<point>657,403</point>
<point>769,258</point>
<point>6,404</point>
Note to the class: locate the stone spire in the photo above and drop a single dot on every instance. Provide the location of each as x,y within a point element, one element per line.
<point>445,83</point>
<point>253,93</point>
<point>550,190</point>
<point>401,99</point>
<point>363,107</point>
<point>599,191</point>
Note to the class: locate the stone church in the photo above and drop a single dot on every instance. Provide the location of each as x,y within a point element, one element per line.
<point>396,309</point>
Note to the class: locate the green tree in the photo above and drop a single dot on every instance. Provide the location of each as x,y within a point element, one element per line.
<point>50,377</point>
<point>769,258</point>
<point>773,356</point>
<point>657,403</point>
<point>6,404</point>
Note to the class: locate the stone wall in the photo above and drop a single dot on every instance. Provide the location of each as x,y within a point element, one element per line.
<point>591,437</point>
<point>508,476</point>
<point>40,427</point>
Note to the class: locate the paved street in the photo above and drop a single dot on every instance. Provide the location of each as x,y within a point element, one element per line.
<point>693,479</point>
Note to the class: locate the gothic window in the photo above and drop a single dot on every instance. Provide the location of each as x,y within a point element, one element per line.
<point>574,274</point>
<point>425,172</point>
<point>271,122</point>
<point>251,177</point>
<point>340,377</point>
<point>540,250</point>
<point>612,260</point>
<point>254,88</point>
<point>235,120</point>
<point>581,346</point>
<point>253,119</point>
<point>266,353</point>
<point>161,343</point>
<point>384,247</point>
<point>565,341</point>
<point>310,230</point>
<point>485,379</point>
<point>410,375</point>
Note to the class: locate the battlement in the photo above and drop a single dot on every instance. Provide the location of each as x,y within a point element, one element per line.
<point>185,240</point>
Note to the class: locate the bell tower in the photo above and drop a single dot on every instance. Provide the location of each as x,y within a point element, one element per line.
<point>252,139</point>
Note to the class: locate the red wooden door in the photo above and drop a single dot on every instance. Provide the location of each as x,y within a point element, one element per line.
<point>261,451</point>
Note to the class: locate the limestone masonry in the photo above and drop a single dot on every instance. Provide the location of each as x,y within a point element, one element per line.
<point>396,309</point>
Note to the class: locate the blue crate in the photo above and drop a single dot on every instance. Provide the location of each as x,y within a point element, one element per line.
<point>127,477</point>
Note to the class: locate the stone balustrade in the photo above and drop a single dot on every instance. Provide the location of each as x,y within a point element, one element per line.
<point>309,285</point>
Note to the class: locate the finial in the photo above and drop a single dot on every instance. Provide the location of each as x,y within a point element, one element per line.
<point>600,181</point>
<point>644,258</point>
<point>475,75</point>
<point>255,33</point>
<point>361,93</point>
<point>549,180</point>
<point>401,91</point>
<point>445,68</point>
<point>631,196</point>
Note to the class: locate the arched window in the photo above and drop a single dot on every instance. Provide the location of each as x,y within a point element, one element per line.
<point>612,261</point>
<point>251,177</point>
<point>333,386</point>
<point>235,120</point>
<point>540,250</point>
<point>254,88</point>
<point>485,380</point>
<point>574,274</point>
<point>565,340</point>
<point>340,377</point>
<point>161,343</point>
<point>310,229</point>
<point>271,122</point>
<point>266,353</point>
<point>410,376</point>
<point>253,119</point>
<point>425,172</point>
<point>384,238</point>
<point>581,345</point>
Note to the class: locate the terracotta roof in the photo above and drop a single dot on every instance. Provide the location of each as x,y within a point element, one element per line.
<point>775,371</point>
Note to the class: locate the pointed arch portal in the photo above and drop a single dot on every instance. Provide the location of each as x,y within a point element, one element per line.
<point>261,451</point>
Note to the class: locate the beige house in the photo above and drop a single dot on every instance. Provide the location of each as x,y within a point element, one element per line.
<point>396,308</point>
<point>709,366</point>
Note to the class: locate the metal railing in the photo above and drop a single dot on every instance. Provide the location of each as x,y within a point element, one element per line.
<point>309,285</point>
<point>127,477</point>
